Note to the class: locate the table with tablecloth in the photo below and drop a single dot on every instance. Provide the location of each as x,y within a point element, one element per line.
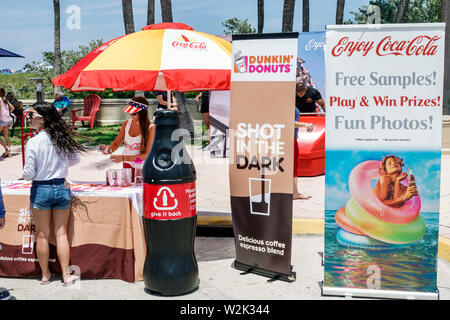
<point>105,232</point>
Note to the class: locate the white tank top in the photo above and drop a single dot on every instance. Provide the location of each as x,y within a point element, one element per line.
<point>132,144</point>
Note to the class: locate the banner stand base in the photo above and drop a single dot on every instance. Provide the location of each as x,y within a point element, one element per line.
<point>374,293</point>
<point>266,273</point>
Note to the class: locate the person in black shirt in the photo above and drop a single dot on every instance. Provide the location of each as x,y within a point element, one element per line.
<point>204,109</point>
<point>307,97</point>
<point>161,96</point>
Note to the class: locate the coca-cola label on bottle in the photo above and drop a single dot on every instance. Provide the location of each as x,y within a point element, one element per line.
<point>168,202</point>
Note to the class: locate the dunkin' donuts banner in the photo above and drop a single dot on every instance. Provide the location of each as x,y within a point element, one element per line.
<point>384,89</point>
<point>310,69</point>
<point>261,149</point>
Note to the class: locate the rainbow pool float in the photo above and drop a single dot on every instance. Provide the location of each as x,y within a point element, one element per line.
<point>366,222</point>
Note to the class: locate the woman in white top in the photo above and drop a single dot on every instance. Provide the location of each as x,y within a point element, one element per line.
<point>136,133</point>
<point>48,155</point>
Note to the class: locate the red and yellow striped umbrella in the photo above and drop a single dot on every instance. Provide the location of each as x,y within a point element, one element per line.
<point>164,56</point>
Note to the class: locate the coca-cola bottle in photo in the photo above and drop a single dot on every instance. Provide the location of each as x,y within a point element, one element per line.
<point>170,218</point>
<point>412,180</point>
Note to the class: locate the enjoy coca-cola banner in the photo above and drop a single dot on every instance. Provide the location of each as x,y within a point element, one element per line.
<point>384,86</point>
<point>262,151</point>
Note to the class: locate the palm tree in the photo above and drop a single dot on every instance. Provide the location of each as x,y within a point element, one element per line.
<point>305,10</point>
<point>401,11</point>
<point>166,11</point>
<point>260,16</point>
<point>340,11</point>
<point>57,38</point>
<point>288,15</point>
<point>127,10</point>
<point>151,12</point>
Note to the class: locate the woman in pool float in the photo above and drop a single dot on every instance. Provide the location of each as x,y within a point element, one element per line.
<point>388,188</point>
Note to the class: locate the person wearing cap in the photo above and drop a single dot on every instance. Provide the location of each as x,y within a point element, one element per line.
<point>61,103</point>
<point>136,134</point>
<point>307,98</point>
<point>205,96</point>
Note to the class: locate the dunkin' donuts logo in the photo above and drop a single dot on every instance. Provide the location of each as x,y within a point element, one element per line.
<point>277,63</point>
<point>185,42</point>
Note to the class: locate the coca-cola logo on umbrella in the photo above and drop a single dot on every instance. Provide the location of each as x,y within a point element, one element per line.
<point>184,42</point>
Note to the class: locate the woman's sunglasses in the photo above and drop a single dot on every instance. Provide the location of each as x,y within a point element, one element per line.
<point>32,114</point>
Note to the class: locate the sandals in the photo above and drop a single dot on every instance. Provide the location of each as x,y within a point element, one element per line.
<point>72,280</point>
<point>7,152</point>
<point>301,197</point>
<point>51,279</point>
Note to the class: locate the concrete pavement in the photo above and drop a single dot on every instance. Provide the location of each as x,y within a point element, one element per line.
<point>218,280</point>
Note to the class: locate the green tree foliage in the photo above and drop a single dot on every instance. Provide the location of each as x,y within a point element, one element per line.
<point>24,89</point>
<point>419,11</point>
<point>19,85</point>
<point>236,26</point>
<point>69,58</point>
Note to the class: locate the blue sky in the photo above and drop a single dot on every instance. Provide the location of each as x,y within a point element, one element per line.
<point>27,25</point>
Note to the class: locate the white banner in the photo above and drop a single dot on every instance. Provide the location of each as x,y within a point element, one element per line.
<point>384,88</point>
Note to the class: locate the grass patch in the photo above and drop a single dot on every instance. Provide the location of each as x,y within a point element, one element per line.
<point>99,135</point>
<point>94,137</point>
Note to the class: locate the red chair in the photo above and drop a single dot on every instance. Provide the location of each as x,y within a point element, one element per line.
<point>91,107</point>
<point>24,136</point>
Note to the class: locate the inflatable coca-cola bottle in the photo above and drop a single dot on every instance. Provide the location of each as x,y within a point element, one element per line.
<point>170,219</point>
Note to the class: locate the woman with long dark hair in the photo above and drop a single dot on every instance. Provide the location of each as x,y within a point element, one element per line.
<point>48,156</point>
<point>136,133</point>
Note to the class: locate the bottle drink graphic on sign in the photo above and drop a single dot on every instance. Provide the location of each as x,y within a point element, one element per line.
<point>138,166</point>
<point>239,62</point>
<point>169,218</point>
<point>412,180</point>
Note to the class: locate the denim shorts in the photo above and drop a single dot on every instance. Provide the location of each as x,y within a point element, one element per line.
<point>52,194</point>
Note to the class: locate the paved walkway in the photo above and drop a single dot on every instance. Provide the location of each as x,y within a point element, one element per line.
<point>214,256</point>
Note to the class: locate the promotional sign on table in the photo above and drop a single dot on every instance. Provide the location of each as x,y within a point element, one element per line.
<point>105,233</point>
<point>261,151</point>
<point>383,159</point>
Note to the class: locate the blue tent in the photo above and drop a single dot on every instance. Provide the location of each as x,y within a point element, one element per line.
<point>6,53</point>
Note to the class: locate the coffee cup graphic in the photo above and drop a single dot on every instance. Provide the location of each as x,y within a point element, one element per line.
<point>239,62</point>
<point>259,189</point>
<point>27,244</point>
